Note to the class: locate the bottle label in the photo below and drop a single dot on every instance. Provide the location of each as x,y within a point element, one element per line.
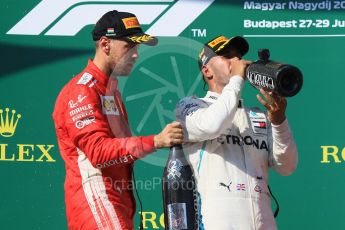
<point>177,215</point>
<point>174,169</point>
<point>260,80</point>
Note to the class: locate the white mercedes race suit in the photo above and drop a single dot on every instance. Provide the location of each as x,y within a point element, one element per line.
<point>230,149</point>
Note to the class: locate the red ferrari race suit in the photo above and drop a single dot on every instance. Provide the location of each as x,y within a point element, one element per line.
<point>96,144</point>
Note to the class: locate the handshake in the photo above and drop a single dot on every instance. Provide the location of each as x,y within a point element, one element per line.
<point>286,80</point>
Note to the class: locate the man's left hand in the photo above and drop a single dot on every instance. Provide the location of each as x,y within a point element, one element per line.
<point>275,105</point>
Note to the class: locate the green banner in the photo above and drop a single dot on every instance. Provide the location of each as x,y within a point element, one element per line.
<point>45,43</point>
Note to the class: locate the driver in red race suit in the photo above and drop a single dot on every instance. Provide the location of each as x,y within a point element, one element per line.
<point>93,133</point>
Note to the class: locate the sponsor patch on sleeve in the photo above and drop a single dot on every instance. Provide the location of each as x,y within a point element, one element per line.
<point>189,109</point>
<point>85,78</point>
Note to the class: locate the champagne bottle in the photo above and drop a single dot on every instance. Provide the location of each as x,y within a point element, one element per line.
<point>286,80</point>
<point>179,192</point>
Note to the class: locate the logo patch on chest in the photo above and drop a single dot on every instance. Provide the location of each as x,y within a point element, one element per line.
<point>109,106</point>
<point>258,122</point>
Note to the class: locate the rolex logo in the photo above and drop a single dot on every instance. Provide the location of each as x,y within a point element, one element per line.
<point>8,122</point>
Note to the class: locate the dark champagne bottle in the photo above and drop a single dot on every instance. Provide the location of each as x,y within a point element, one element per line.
<point>286,80</point>
<point>179,192</point>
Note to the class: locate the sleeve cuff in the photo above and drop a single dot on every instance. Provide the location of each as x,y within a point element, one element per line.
<point>281,132</point>
<point>147,145</point>
<point>281,127</point>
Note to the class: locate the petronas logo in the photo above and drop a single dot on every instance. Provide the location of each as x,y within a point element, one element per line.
<point>8,122</point>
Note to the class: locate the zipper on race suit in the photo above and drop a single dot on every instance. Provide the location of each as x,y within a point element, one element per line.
<point>245,167</point>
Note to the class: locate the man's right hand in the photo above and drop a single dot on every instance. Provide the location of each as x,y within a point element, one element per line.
<point>171,135</point>
<point>238,67</point>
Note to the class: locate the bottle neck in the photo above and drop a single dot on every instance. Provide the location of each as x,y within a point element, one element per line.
<point>176,152</point>
<point>177,146</point>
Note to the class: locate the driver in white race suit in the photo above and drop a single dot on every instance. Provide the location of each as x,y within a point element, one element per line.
<point>231,147</point>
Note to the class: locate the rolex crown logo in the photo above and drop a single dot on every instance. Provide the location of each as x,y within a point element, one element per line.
<point>8,122</point>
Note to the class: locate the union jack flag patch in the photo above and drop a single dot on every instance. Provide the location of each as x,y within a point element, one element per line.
<point>241,187</point>
<point>258,122</point>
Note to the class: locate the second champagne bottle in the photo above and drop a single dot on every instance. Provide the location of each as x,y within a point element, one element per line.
<point>179,192</point>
